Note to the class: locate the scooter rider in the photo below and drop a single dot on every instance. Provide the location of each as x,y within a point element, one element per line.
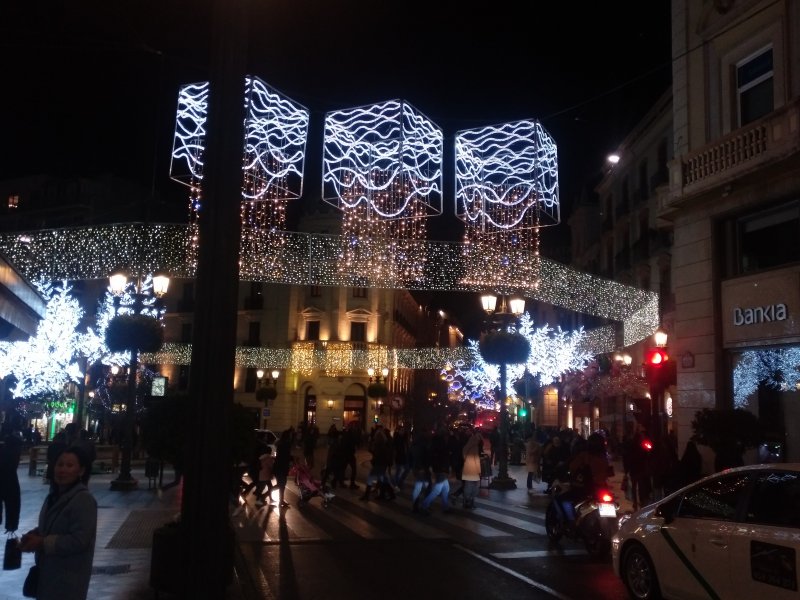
<point>588,472</point>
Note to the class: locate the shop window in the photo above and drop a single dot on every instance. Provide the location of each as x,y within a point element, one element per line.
<point>754,82</point>
<point>13,201</point>
<point>769,239</point>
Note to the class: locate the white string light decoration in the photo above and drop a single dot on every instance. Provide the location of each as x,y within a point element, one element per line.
<point>188,152</point>
<point>94,252</point>
<point>382,167</point>
<point>276,133</point>
<point>506,190</point>
<point>778,368</point>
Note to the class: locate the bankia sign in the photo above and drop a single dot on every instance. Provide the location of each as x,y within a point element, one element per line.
<point>764,308</point>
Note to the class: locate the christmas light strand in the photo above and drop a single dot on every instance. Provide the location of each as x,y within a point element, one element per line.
<point>93,252</point>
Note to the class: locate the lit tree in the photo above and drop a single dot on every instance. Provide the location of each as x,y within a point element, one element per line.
<point>45,363</point>
<point>553,352</point>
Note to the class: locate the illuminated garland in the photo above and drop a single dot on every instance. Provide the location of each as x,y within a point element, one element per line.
<point>93,252</point>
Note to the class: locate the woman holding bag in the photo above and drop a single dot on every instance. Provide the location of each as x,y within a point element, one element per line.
<point>64,540</point>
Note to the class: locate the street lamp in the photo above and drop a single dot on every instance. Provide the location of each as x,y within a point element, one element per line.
<point>377,389</point>
<point>502,347</point>
<point>134,332</point>
<point>266,393</point>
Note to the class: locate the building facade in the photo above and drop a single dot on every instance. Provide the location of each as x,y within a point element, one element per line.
<point>734,202</point>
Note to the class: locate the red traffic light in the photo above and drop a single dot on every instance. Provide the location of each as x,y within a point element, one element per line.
<point>656,356</point>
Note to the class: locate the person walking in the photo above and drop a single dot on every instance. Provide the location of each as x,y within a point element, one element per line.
<point>10,495</point>
<point>419,457</point>
<point>283,462</point>
<point>65,538</point>
<point>440,465</point>
<point>264,488</point>
<point>402,465</point>
<point>381,450</point>
<point>471,471</point>
<point>310,438</point>
<point>351,439</point>
<point>533,457</point>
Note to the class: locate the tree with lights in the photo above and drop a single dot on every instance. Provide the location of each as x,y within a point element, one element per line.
<point>552,353</point>
<point>45,363</point>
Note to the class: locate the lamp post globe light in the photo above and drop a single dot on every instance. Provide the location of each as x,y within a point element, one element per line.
<point>502,346</point>
<point>134,333</point>
<point>377,389</point>
<point>266,393</point>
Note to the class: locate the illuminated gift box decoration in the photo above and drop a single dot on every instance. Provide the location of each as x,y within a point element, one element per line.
<point>506,190</point>
<point>274,148</point>
<point>382,166</point>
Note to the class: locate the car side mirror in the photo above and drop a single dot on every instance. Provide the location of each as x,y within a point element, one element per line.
<point>667,511</point>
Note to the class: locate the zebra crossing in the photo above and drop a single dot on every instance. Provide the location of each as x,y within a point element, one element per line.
<point>348,517</point>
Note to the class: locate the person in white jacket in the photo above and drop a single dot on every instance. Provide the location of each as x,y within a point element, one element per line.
<point>471,474</point>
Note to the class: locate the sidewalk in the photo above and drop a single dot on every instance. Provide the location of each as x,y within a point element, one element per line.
<point>125,525</point>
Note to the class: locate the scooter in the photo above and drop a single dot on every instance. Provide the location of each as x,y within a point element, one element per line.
<point>595,520</point>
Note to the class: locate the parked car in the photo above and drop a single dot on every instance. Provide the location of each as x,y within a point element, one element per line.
<point>734,534</point>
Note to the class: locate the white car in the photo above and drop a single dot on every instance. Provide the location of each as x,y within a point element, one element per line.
<point>734,534</point>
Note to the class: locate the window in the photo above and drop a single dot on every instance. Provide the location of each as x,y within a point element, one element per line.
<point>360,292</point>
<point>769,239</point>
<point>315,291</point>
<point>13,201</point>
<point>358,332</point>
<point>250,380</point>
<point>754,83</point>
<point>775,500</point>
<point>312,330</point>
<point>716,499</point>
<point>254,333</point>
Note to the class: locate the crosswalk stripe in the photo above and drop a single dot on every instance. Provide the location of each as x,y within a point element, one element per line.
<point>538,553</point>
<point>399,512</point>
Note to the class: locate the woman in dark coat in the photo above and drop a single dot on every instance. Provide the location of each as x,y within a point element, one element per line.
<point>64,540</point>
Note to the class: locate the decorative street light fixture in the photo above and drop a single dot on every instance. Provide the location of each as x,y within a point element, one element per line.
<point>133,332</point>
<point>377,388</point>
<point>267,393</point>
<point>502,346</point>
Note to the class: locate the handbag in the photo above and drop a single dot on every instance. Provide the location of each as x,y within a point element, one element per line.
<point>31,585</point>
<point>12,559</point>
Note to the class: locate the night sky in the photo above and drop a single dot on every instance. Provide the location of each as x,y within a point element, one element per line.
<point>90,87</point>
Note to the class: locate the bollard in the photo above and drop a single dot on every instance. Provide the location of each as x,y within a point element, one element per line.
<point>32,461</point>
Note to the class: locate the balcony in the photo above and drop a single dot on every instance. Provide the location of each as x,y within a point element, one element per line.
<point>763,143</point>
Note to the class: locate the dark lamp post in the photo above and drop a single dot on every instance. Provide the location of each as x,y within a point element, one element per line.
<point>501,347</point>
<point>268,393</point>
<point>133,333</point>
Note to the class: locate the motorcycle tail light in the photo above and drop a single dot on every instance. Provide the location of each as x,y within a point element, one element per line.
<point>605,496</point>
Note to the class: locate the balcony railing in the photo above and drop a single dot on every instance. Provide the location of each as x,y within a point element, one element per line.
<point>772,138</point>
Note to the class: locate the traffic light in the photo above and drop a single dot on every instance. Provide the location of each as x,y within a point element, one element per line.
<point>659,369</point>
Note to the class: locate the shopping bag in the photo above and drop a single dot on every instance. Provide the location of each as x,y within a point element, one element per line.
<point>12,559</point>
<point>31,585</point>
